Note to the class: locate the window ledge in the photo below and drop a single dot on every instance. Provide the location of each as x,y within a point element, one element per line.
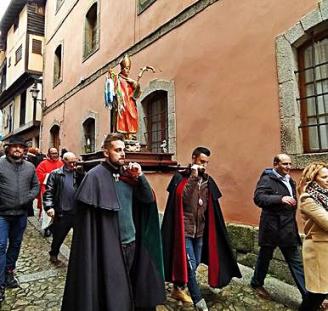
<point>300,161</point>
<point>57,82</point>
<point>90,53</point>
<point>146,4</point>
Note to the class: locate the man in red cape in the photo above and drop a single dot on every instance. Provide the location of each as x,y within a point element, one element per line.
<point>51,163</point>
<point>194,231</point>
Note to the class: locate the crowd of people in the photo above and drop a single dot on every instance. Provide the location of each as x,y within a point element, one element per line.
<point>120,255</point>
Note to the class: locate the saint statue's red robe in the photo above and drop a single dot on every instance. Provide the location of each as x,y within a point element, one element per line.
<point>127,119</point>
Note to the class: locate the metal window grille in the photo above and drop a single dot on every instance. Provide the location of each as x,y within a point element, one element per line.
<point>156,120</point>
<point>313,100</point>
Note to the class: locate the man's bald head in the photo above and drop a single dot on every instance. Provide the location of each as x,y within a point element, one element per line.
<point>282,163</point>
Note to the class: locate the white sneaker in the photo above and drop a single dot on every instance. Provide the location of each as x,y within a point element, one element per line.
<point>201,305</point>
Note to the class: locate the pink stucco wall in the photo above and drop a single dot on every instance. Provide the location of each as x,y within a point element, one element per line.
<point>223,64</point>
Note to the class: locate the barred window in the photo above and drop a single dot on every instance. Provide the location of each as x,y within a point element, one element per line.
<point>313,81</point>
<point>156,120</point>
<point>36,46</point>
<point>18,54</point>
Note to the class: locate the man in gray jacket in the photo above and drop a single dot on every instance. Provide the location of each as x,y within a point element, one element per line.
<point>18,188</point>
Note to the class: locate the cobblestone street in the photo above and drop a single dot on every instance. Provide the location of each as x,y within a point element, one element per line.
<point>42,284</point>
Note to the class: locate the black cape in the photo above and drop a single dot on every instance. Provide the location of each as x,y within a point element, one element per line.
<point>216,253</point>
<point>97,279</point>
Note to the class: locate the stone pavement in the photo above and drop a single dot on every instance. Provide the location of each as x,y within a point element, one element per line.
<point>42,284</point>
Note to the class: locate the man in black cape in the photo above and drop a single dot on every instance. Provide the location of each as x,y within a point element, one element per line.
<point>194,231</point>
<point>116,256</point>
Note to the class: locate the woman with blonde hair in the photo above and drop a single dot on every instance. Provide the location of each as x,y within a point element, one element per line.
<point>313,202</point>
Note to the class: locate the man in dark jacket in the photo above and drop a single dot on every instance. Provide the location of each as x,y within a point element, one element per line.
<point>194,231</point>
<point>116,256</point>
<point>18,188</point>
<point>275,193</point>
<point>59,203</point>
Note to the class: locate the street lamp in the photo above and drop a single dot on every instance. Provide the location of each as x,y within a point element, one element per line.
<point>34,92</point>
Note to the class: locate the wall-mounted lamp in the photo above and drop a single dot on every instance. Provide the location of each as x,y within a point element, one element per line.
<point>35,92</point>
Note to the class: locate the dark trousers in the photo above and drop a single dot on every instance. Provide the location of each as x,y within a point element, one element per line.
<point>312,302</point>
<point>293,259</point>
<point>59,230</point>
<point>128,256</point>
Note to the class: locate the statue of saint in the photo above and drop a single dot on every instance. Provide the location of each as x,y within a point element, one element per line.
<point>121,93</point>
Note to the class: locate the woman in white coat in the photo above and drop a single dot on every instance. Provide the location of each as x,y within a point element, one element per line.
<point>313,204</point>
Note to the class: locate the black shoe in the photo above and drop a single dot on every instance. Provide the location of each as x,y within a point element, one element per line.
<point>2,293</point>
<point>54,260</point>
<point>47,233</point>
<point>11,281</point>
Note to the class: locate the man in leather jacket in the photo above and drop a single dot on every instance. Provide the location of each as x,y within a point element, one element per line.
<point>59,203</point>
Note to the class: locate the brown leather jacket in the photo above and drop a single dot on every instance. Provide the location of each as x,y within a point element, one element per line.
<point>195,201</point>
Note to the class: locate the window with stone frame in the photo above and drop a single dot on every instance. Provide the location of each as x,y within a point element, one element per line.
<point>89,130</point>
<point>302,87</point>
<point>91,31</point>
<point>156,120</point>
<point>18,54</point>
<point>58,62</point>
<point>313,100</point>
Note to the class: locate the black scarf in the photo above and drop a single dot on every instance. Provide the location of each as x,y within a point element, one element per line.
<point>318,194</point>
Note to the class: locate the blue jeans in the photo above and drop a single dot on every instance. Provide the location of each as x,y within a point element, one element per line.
<point>194,255</point>
<point>293,259</point>
<point>11,228</point>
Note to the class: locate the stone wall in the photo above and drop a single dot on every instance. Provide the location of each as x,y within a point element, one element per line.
<point>244,241</point>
